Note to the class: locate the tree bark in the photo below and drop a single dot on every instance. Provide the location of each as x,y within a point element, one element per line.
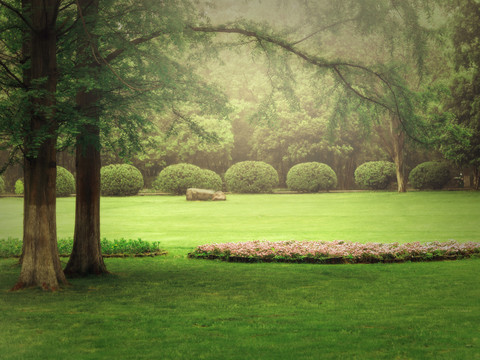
<point>393,139</point>
<point>398,143</point>
<point>476,177</point>
<point>40,260</point>
<point>86,257</point>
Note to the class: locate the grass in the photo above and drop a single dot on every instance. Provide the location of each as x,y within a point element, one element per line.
<point>177,308</point>
<point>365,217</point>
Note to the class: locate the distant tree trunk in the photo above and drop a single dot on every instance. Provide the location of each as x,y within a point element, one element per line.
<point>40,260</point>
<point>398,137</point>
<point>394,143</point>
<point>476,177</point>
<point>86,257</point>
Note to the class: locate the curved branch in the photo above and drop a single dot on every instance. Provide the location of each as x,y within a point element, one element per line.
<point>332,65</point>
<point>323,29</point>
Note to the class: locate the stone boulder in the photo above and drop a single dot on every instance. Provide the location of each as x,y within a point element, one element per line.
<point>194,194</point>
<point>219,196</point>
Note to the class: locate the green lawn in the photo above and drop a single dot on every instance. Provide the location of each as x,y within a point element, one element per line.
<point>177,308</point>
<point>365,217</point>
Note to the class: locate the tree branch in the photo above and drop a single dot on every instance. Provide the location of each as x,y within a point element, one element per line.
<point>18,13</point>
<point>332,65</point>
<point>114,54</point>
<point>322,29</point>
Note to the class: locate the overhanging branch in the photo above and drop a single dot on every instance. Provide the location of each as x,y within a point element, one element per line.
<point>334,66</point>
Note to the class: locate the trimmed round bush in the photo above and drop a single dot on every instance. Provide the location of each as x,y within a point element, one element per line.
<point>19,188</point>
<point>120,180</point>
<point>311,177</point>
<point>65,184</point>
<point>2,185</point>
<point>177,178</point>
<point>429,175</point>
<point>251,177</point>
<point>209,180</point>
<point>375,175</point>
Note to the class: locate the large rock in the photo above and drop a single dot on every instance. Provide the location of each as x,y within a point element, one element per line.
<point>202,194</point>
<point>219,196</point>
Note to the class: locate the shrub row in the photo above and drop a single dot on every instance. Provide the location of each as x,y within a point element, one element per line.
<point>12,247</point>
<point>249,177</point>
<point>116,180</point>
<point>246,177</point>
<point>377,175</point>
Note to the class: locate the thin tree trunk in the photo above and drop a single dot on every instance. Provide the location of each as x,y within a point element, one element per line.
<point>393,139</point>
<point>400,172</point>
<point>40,260</point>
<point>398,139</point>
<point>476,177</point>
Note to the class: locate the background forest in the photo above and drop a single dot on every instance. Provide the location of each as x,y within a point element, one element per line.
<point>274,107</point>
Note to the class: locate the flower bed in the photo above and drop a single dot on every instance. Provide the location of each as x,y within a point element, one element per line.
<point>335,252</point>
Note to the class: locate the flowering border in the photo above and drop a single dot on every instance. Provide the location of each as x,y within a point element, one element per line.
<point>336,252</point>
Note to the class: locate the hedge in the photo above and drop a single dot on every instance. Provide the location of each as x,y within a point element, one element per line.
<point>429,175</point>
<point>251,177</point>
<point>120,180</point>
<point>375,175</point>
<point>311,177</point>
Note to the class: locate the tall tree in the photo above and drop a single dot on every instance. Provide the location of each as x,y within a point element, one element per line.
<point>464,101</point>
<point>40,260</point>
<point>86,257</point>
<point>108,92</point>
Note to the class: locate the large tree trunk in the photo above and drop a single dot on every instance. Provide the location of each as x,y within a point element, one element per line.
<point>40,260</point>
<point>86,257</point>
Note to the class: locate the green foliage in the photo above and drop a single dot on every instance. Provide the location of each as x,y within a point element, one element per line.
<point>375,175</point>
<point>251,177</point>
<point>2,185</point>
<point>65,184</point>
<point>120,180</point>
<point>209,180</point>
<point>311,177</point>
<point>460,140</point>
<point>177,178</point>
<point>19,188</point>
<point>12,247</point>
<point>429,175</point>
